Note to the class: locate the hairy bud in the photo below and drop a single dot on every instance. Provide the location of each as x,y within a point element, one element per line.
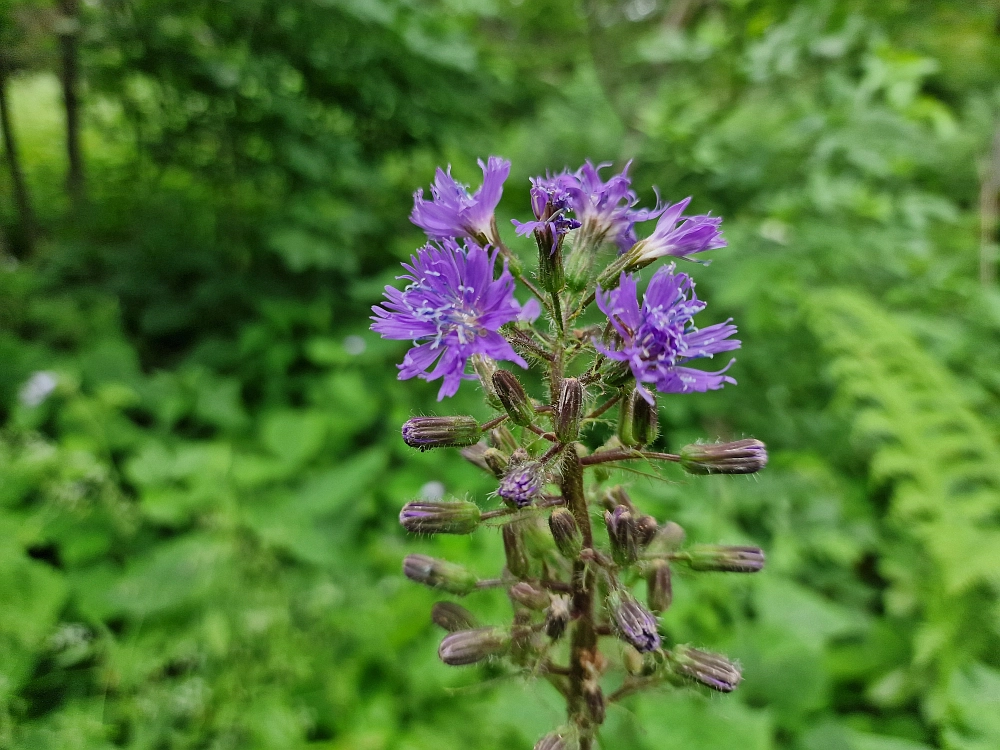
<point>659,590</point>
<point>496,461</point>
<point>515,401</point>
<point>528,596</point>
<point>645,529</point>
<point>424,433</point>
<point>452,617</point>
<point>559,740</point>
<point>568,410</point>
<point>434,517</point>
<point>439,574</point>
<point>622,533</point>
<point>724,558</point>
<point>668,538</point>
<point>711,670</point>
<point>522,483</point>
<point>566,533</point>
<point>557,617</point>
<point>615,374</point>
<point>739,457</point>
<point>638,422</point>
<point>484,368</point>
<point>513,548</point>
<point>632,622</point>
<point>471,646</point>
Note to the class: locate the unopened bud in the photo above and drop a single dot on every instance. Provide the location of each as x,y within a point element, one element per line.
<point>472,646</point>
<point>616,374</point>
<point>551,274</point>
<point>566,533</point>
<point>659,590</point>
<point>568,410</point>
<point>513,548</point>
<point>439,574</point>
<point>496,461</point>
<point>452,617</point>
<point>632,622</point>
<point>424,433</point>
<point>668,538</point>
<point>502,439</point>
<point>645,529</point>
<point>739,457</point>
<point>515,401</point>
<point>522,483</point>
<point>617,495</point>
<point>440,517</point>
<point>621,532</point>
<point>637,419</point>
<point>528,596</point>
<point>724,558</point>
<point>559,740</point>
<point>594,699</point>
<point>484,368</point>
<point>557,617</point>
<point>711,670</point>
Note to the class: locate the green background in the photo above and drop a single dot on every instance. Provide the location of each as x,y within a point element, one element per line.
<point>198,536</point>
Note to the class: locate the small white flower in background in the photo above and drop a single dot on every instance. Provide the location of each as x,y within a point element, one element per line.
<point>432,491</point>
<point>38,388</point>
<point>354,345</point>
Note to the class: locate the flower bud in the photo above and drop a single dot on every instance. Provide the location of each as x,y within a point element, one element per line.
<point>669,537</point>
<point>645,529</point>
<point>724,558</point>
<point>557,617</point>
<point>439,574</point>
<point>566,533</point>
<point>528,596</point>
<point>496,461</point>
<point>711,670</point>
<point>436,517</point>
<point>637,420</point>
<point>621,532</point>
<point>617,495</point>
<point>632,622</point>
<point>522,483</point>
<point>452,617</point>
<point>567,421</point>
<point>551,274</point>
<point>515,401</point>
<point>513,548</point>
<point>560,740</point>
<point>424,433</point>
<point>470,646</point>
<point>502,439</point>
<point>739,457</point>
<point>484,368</point>
<point>659,591</point>
<point>616,374</point>
<point>594,700</point>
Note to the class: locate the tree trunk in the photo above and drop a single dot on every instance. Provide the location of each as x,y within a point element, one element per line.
<point>69,74</point>
<point>23,243</point>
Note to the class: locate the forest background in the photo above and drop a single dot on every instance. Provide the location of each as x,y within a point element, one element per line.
<point>200,464</point>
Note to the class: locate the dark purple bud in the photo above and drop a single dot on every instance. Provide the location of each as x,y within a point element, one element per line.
<point>739,457</point>
<point>528,596</point>
<point>622,533</point>
<point>632,622</point>
<point>645,529</point>
<point>439,574</point>
<point>561,740</point>
<point>425,433</point>
<point>515,401</point>
<point>513,548</point>
<point>637,420</point>
<point>659,590</point>
<point>594,699</point>
<point>496,461</point>
<point>440,517</point>
<point>711,670</point>
<point>567,421</point>
<point>566,533</point>
<point>557,617</point>
<point>472,646</point>
<point>723,558</point>
<point>452,617</point>
<point>522,483</point>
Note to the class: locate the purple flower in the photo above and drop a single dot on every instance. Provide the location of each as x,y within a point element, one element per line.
<point>550,203</point>
<point>453,212</point>
<point>522,483</point>
<point>694,234</point>
<point>633,623</point>
<point>603,208</point>
<point>658,338</point>
<point>451,309</point>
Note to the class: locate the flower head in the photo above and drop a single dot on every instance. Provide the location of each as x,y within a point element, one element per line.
<point>550,203</point>
<point>675,235</point>
<point>451,309</point>
<point>452,212</point>
<point>603,208</point>
<point>658,338</point>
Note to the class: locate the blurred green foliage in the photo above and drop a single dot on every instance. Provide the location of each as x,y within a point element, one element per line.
<point>200,547</point>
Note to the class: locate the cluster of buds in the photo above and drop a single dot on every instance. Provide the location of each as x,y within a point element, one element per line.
<point>567,578</point>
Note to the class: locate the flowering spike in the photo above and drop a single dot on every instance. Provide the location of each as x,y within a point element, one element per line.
<point>471,646</point>
<point>439,574</point>
<point>437,517</point>
<point>424,433</point>
<point>739,457</point>
<point>452,617</point>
